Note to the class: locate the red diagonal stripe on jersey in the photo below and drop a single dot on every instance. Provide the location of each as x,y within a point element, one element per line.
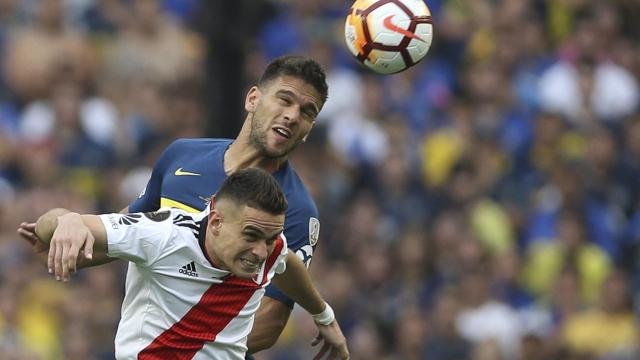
<point>278,244</point>
<point>277,248</point>
<point>217,307</point>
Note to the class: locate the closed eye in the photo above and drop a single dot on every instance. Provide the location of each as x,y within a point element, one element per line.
<point>285,100</point>
<point>272,239</point>
<point>309,114</point>
<point>252,236</point>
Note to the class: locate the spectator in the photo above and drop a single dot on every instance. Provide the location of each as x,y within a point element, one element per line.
<point>609,329</point>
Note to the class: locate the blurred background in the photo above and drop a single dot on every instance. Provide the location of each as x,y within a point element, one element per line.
<point>484,204</point>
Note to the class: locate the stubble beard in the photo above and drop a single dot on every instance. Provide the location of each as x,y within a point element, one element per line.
<point>258,139</point>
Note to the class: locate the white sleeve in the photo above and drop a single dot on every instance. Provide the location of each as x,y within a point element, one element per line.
<point>281,263</point>
<point>138,237</point>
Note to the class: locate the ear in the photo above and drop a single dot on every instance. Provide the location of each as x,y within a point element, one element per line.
<point>251,101</point>
<point>215,219</point>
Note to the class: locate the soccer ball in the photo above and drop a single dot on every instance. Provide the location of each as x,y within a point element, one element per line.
<point>388,36</point>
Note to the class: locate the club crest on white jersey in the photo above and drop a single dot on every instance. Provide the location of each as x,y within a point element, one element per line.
<point>314,230</point>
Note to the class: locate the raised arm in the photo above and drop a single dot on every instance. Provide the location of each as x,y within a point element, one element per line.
<point>296,283</point>
<point>80,232</point>
<point>77,233</point>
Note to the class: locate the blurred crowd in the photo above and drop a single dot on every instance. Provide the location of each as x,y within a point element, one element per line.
<point>484,204</point>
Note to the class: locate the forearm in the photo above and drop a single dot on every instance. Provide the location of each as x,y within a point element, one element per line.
<point>47,224</point>
<point>99,258</point>
<point>296,283</point>
<point>271,319</point>
<point>60,226</point>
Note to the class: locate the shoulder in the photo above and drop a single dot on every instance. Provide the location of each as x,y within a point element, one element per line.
<point>302,224</point>
<point>187,148</point>
<point>197,143</point>
<point>184,223</point>
<point>296,191</point>
<point>179,216</point>
<point>166,215</point>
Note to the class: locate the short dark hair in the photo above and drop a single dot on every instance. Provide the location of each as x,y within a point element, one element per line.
<point>298,66</point>
<point>255,188</point>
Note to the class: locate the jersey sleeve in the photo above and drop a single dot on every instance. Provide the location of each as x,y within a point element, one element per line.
<point>302,239</point>
<point>149,199</point>
<point>281,263</point>
<point>137,237</point>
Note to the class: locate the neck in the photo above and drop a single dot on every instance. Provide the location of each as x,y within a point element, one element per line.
<point>243,154</point>
<point>213,257</point>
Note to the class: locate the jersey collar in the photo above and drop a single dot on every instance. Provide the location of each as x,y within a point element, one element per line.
<point>202,235</point>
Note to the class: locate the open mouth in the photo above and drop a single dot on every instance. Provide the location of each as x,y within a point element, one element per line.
<point>284,132</point>
<point>250,264</point>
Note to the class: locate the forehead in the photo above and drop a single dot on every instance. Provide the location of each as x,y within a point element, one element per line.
<point>256,218</point>
<point>297,86</point>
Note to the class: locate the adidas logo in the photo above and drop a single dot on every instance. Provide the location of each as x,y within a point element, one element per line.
<point>189,269</point>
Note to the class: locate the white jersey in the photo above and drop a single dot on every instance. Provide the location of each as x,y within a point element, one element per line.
<point>177,305</point>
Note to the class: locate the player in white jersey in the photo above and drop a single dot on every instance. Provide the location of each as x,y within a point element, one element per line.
<point>195,282</point>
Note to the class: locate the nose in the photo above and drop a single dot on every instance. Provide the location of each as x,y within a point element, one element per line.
<point>291,114</point>
<point>260,250</point>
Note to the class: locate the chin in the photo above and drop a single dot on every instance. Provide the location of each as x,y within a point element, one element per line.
<point>244,274</point>
<point>275,154</point>
<point>280,151</point>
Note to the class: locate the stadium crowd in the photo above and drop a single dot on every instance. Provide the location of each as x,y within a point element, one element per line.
<point>484,204</point>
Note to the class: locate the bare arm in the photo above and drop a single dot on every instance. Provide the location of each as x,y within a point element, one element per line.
<point>271,318</point>
<point>100,258</point>
<point>27,232</point>
<point>80,232</point>
<point>296,283</point>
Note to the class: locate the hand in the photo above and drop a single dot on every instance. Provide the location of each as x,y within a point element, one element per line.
<point>28,232</point>
<point>333,340</point>
<point>70,236</point>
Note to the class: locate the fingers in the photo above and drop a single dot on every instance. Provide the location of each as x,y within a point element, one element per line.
<point>30,227</point>
<point>317,340</point>
<point>51,258</point>
<point>27,232</point>
<point>322,351</point>
<point>57,261</point>
<point>337,352</point>
<point>65,263</point>
<point>27,236</point>
<point>73,258</point>
<point>71,240</point>
<point>342,352</point>
<point>88,246</point>
<point>333,340</point>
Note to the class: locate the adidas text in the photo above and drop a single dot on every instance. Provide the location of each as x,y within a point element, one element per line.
<point>189,269</point>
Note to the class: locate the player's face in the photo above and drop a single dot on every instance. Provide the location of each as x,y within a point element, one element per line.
<point>284,111</point>
<point>243,238</point>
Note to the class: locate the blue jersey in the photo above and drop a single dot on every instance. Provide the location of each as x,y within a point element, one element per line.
<point>191,170</point>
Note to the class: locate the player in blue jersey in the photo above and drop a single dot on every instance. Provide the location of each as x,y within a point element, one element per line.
<point>281,111</point>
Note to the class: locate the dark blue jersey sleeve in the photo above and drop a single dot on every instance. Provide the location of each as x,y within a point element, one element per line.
<point>302,239</point>
<point>149,199</point>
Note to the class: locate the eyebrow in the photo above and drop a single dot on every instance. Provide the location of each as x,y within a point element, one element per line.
<point>309,105</point>
<point>254,230</point>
